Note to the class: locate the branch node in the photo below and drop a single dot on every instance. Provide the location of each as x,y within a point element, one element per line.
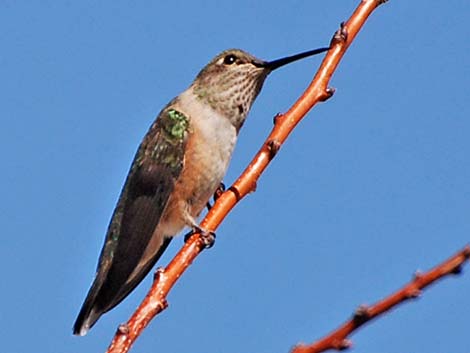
<point>299,348</point>
<point>340,36</point>
<point>123,329</point>
<point>162,305</point>
<point>158,272</point>
<point>328,93</point>
<point>417,275</point>
<point>273,147</point>
<point>235,191</point>
<point>413,292</point>
<point>276,118</point>
<point>254,186</point>
<point>466,252</point>
<point>342,344</point>
<point>362,314</point>
<point>457,270</point>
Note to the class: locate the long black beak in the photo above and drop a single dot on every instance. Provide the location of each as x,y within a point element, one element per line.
<point>275,64</point>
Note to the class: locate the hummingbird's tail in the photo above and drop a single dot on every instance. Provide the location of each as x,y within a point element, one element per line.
<point>86,319</point>
<point>91,309</point>
<point>110,287</point>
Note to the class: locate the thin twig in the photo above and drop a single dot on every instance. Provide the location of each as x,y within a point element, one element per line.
<point>318,91</point>
<point>338,339</point>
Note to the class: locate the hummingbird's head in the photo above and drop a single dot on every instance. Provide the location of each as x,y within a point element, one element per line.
<point>231,81</point>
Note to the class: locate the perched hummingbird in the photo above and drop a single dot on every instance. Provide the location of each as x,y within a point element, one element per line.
<point>177,168</point>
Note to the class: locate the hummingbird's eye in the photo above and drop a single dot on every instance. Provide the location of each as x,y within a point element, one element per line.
<point>230,59</point>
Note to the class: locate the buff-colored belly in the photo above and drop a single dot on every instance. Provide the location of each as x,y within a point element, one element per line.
<point>206,160</point>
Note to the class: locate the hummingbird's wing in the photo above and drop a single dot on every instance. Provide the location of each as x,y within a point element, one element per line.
<point>156,166</point>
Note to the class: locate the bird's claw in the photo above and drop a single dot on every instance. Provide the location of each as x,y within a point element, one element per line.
<point>219,191</point>
<point>207,236</point>
<point>208,239</point>
<point>188,235</point>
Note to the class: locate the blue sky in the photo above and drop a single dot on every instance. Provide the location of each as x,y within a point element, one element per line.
<point>372,185</point>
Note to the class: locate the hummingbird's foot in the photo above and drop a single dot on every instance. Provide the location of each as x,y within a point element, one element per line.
<point>208,239</point>
<point>207,236</point>
<point>219,191</point>
<point>188,235</point>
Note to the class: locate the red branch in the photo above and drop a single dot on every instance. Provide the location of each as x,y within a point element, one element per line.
<point>337,339</point>
<point>318,91</point>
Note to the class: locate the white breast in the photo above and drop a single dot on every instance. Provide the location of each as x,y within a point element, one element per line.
<point>212,142</point>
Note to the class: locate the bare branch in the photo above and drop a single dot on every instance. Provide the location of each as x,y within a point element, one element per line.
<point>338,339</point>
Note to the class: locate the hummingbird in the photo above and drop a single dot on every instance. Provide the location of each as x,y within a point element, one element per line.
<point>177,168</point>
